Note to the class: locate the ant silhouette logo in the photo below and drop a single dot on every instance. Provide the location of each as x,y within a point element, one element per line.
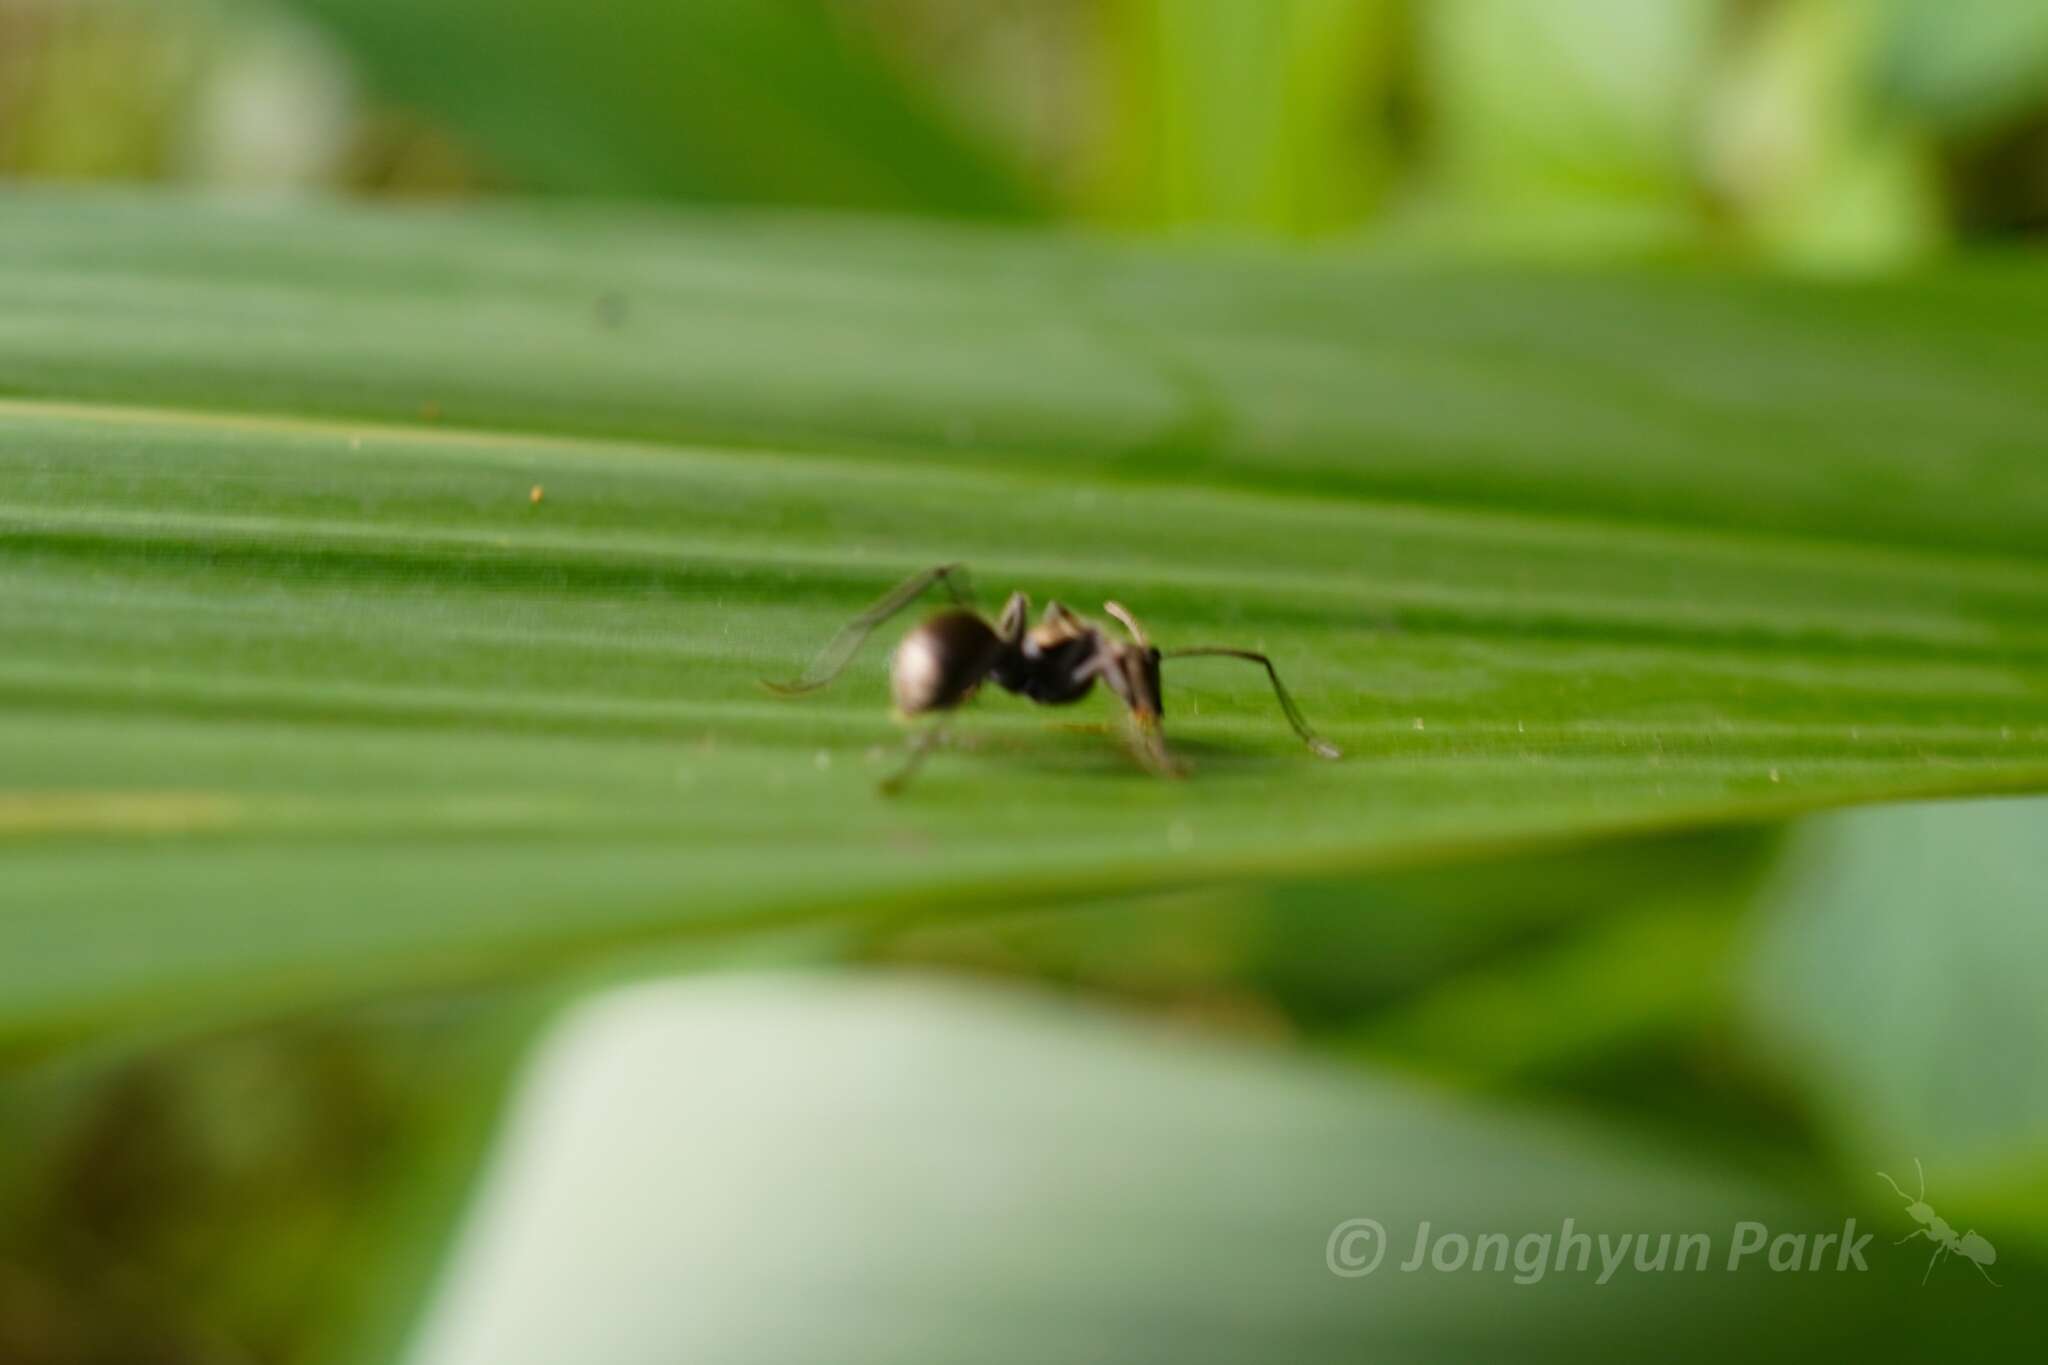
<point>1971,1247</point>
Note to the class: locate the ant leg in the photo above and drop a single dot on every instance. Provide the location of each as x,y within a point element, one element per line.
<point>1150,747</point>
<point>1319,746</point>
<point>1939,1252</point>
<point>1985,1273</point>
<point>1011,625</point>
<point>1916,1232</point>
<point>921,744</point>
<point>1123,669</point>
<point>836,655</point>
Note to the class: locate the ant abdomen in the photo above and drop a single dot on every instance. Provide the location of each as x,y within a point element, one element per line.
<point>941,662</point>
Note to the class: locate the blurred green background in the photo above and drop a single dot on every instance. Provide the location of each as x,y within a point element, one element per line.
<point>1833,134</point>
<point>1799,1006</point>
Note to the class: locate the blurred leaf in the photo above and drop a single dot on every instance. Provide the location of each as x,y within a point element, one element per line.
<point>282,1192</point>
<point>707,100</point>
<point>1964,66</point>
<point>1554,121</point>
<point>1266,116</point>
<point>323,701</point>
<point>1800,157</point>
<point>935,1176</point>
<point>1325,954</point>
<point>1901,971</point>
<point>1634,977</point>
<point>1602,974</point>
<point>277,1194</point>
<point>98,91</point>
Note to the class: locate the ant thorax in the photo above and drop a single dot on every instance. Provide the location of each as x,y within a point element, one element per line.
<point>1047,636</point>
<point>1053,665</point>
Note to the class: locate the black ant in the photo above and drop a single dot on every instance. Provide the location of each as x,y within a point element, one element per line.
<point>944,660</point>
<point>1971,1246</point>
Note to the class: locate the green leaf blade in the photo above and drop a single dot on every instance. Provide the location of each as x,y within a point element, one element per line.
<point>301,700</point>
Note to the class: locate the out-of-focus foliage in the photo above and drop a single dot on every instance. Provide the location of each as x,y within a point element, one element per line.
<point>272,1194</point>
<point>1562,121</point>
<point>1223,115</point>
<point>934,1175</point>
<point>1356,964</point>
<point>1605,973</point>
<point>1899,973</point>
<point>1825,133</point>
<point>1963,66</point>
<point>193,91</point>
<point>1801,161</point>
<point>710,100</point>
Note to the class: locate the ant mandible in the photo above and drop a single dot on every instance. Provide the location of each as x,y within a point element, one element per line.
<point>944,660</point>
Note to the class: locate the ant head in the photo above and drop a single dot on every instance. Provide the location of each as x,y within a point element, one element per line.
<point>1148,673</point>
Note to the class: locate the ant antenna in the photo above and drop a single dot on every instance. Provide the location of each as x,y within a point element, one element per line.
<point>1319,746</point>
<point>1894,1184</point>
<point>920,745</point>
<point>1130,622</point>
<point>1923,1179</point>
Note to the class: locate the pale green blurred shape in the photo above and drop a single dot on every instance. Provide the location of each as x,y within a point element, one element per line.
<point>813,1169</point>
<point>1566,120</point>
<point>1901,972</point>
<point>1796,147</point>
